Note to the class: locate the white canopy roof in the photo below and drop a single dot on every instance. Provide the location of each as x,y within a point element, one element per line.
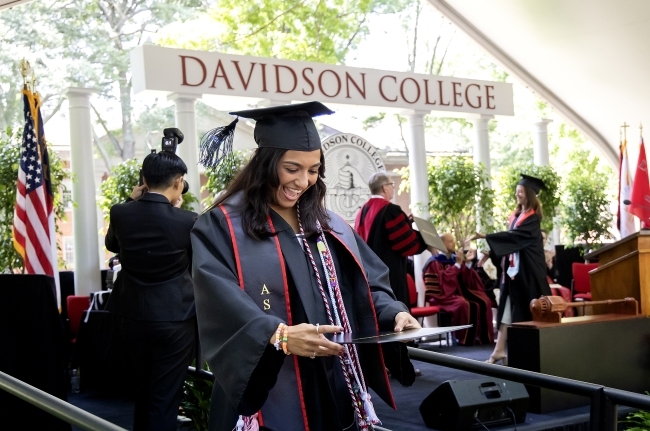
<point>588,58</point>
<point>10,3</point>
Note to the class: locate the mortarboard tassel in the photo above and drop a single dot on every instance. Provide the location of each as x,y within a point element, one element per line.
<point>216,145</point>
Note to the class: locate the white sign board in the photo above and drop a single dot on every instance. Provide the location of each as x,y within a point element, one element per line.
<point>350,160</point>
<point>171,70</point>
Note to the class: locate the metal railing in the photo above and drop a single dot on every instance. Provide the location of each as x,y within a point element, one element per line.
<point>603,415</point>
<point>55,406</point>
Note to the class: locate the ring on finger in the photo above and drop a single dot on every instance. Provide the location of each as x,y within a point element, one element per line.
<point>317,325</point>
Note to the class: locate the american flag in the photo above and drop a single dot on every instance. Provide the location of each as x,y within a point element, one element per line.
<point>34,233</point>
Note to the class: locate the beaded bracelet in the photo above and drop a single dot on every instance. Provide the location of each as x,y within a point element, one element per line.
<point>285,338</point>
<point>278,336</point>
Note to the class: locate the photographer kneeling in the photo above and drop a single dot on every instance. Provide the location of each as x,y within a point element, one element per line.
<point>155,302</point>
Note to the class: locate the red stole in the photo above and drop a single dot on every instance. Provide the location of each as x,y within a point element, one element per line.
<point>366,217</point>
<point>513,223</point>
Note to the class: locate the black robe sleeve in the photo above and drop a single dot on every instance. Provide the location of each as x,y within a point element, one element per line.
<point>233,331</point>
<point>383,297</point>
<point>524,236</point>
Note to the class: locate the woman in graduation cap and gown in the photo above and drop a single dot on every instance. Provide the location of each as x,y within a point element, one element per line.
<point>520,250</point>
<point>274,272</point>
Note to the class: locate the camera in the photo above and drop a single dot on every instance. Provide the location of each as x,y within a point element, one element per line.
<point>172,136</point>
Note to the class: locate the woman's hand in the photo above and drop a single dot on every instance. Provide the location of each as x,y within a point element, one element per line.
<point>404,320</point>
<point>308,340</point>
<point>477,235</point>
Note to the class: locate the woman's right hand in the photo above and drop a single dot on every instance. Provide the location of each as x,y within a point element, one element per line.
<point>308,340</point>
<point>477,235</point>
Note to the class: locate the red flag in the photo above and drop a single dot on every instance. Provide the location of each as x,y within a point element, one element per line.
<point>33,232</point>
<point>640,200</point>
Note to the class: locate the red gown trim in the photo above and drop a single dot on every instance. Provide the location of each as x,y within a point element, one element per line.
<point>290,322</point>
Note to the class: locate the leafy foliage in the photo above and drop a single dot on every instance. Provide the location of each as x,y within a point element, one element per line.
<point>119,185</point>
<point>457,193</point>
<point>585,211</point>
<point>195,400</point>
<point>307,30</point>
<point>83,43</point>
<point>639,420</point>
<point>10,143</point>
<point>507,181</point>
<point>219,179</point>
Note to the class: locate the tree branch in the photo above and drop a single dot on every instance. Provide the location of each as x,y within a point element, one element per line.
<point>280,15</point>
<point>356,32</point>
<point>108,132</point>
<point>54,111</point>
<point>442,60</point>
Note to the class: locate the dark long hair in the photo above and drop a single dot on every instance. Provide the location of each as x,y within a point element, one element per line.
<point>532,201</point>
<point>258,180</point>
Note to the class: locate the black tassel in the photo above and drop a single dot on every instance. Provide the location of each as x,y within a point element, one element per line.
<point>216,145</point>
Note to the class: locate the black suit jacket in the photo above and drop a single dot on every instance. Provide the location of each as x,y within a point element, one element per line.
<point>153,240</point>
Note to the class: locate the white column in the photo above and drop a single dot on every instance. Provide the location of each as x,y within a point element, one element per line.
<point>482,150</point>
<point>540,142</point>
<point>267,103</point>
<point>84,213</point>
<point>185,115</point>
<point>419,186</point>
<point>540,158</point>
<point>482,142</point>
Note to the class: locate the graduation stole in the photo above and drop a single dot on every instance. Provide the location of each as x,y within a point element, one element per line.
<point>513,259</point>
<point>269,289</point>
<point>338,316</point>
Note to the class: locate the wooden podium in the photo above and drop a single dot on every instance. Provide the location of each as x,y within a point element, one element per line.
<point>623,271</point>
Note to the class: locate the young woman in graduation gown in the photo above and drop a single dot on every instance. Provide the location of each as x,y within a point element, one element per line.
<point>274,272</point>
<point>520,250</point>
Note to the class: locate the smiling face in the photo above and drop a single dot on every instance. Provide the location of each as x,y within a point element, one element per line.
<point>520,194</point>
<point>297,171</point>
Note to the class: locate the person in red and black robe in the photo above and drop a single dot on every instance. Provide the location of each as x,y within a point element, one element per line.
<point>458,290</point>
<point>388,231</point>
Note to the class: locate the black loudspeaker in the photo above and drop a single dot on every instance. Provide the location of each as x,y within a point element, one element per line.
<point>462,405</point>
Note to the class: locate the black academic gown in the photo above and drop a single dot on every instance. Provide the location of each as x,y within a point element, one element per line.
<point>530,282</point>
<point>235,328</point>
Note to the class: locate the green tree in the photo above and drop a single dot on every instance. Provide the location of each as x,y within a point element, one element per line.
<point>219,179</point>
<point>585,211</point>
<point>459,199</point>
<point>90,41</point>
<point>507,181</point>
<point>119,185</point>
<point>307,30</point>
<point>10,147</point>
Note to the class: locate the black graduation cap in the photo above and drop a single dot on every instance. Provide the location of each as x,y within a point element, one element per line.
<point>535,184</point>
<point>288,126</point>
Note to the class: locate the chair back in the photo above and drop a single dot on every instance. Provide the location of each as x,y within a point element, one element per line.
<point>413,293</point>
<point>76,306</point>
<point>581,283</point>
